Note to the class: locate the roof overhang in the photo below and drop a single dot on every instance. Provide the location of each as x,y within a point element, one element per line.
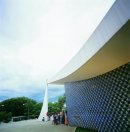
<point>106,49</point>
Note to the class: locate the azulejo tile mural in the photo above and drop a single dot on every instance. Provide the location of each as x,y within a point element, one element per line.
<point>102,102</point>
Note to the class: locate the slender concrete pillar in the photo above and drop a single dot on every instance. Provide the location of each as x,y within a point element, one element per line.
<point>44,109</point>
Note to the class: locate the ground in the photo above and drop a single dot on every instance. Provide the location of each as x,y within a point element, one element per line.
<point>34,126</point>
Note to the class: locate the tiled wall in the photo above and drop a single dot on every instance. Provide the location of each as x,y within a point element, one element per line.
<point>102,102</point>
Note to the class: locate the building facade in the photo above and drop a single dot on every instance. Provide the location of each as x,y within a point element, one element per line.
<point>102,102</point>
<point>97,79</point>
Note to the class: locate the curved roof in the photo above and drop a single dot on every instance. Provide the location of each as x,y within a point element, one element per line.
<point>106,49</point>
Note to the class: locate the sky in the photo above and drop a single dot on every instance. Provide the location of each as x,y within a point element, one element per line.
<point>38,38</point>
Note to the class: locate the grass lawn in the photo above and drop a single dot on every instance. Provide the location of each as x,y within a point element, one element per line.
<point>79,129</point>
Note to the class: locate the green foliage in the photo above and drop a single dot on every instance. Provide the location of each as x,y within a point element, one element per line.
<point>61,101</point>
<point>5,117</point>
<point>37,109</point>
<point>1,116</point>
<point>53,108</point>
<point>19,107</point>
<point>57,106</point>
<point>16,107</point>
<point>79,129</point>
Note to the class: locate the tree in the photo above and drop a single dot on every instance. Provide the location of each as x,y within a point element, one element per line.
<point>1,116</point>
<point>23,106</point>
<point>37,109</point>
<point>5,117</point>
<point>61,101</point>
<point>16,107</point>
<point>57,106</point>
<point>53,108</point>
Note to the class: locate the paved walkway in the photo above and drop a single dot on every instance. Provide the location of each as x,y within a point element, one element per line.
<point>34,126</point>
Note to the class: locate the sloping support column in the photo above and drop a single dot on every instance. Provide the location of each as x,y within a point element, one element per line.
<point>44,111</point>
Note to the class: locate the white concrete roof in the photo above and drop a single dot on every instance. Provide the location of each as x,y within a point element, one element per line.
<point>106,49</point>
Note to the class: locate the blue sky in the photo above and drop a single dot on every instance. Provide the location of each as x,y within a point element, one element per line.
<point>54,92</point>
<point>38,38</point>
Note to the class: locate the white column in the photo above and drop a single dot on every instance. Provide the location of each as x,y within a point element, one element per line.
<point>45,106</point>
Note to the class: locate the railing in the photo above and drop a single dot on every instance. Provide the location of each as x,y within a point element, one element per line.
<point>20,118</point>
